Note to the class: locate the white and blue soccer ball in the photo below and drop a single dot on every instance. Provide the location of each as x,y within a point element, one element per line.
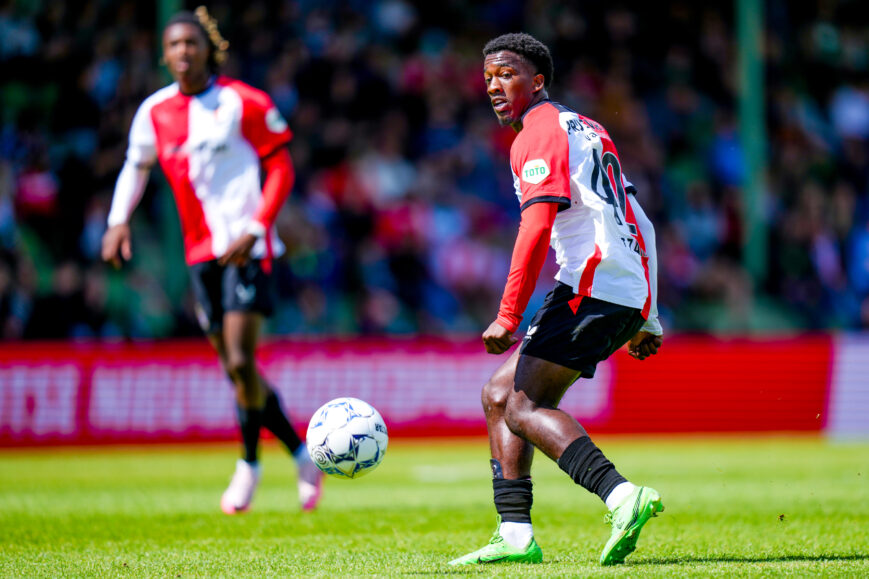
<point>347,438</point>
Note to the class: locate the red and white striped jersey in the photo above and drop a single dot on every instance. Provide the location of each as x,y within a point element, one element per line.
<point>209,146</point>
<point>565,158</point>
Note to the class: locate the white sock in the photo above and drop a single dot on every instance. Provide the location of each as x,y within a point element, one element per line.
<point>516,534</point>
<point>618,494</point>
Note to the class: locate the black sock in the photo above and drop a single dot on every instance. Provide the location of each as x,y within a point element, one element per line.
<point>513,499</point>
<point>249,422</point>
<point>276,421</point>
<point>589,468</point>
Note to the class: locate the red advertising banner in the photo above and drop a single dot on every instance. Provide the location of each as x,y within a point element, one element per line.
<point>705,384</point>
<point>94,393</point>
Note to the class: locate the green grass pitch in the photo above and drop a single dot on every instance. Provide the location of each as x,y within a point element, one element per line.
<point>752,506</point>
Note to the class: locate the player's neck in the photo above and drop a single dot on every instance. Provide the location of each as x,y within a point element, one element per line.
<point>538,98</point>
<point>193,87</point>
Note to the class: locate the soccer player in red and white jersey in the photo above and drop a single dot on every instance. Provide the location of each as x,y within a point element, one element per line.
<point>212,137</point>
<point>574,196</point>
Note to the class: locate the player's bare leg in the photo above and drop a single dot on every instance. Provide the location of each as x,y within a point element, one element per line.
<point>531,407</point>
<point>513,539</point>
<point>259,405</point>
<point>513,453</point>
<point>532,413</point>
<point>240,335</point>
<point>236,346</point>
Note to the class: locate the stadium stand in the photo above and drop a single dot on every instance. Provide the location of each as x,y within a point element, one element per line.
<point>402,216</point>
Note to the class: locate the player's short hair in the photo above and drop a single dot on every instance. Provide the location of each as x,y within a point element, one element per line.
<point>208,26</point>
<point>529,48</point>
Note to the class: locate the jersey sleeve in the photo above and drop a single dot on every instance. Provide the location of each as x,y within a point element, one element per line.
<point>141,155</point>
<point>261,122</point>
<point>540,159</point>
<point>529,254</point>
<point>129,189</point>
<point>276,188</point>
<point>142,144</point>
<point>647,233</point>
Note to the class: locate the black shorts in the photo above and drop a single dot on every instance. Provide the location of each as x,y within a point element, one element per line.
<point>219,289</point>
<point>579,340</point>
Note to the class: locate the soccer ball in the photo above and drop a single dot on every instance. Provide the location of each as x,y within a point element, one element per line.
<point>347,438</point>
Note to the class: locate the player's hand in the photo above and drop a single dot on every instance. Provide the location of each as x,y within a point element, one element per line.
<point>644,344</point>
<point>239,250</point>
<point>117,245</point>
<point>498,339</point>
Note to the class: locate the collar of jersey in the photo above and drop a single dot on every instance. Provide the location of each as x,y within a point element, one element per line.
<point>525,114</point>
<point>212,80</point>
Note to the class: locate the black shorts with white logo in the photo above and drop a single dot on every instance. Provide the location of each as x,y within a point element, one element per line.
<point>582,339</point>
<point>219,289</point>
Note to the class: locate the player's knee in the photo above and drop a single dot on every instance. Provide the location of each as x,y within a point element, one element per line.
<point>238,364</point>
<point>517,413</point>
<point>494,396</point>
<point>249,394</point>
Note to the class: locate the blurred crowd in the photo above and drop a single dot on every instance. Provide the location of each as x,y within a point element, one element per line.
<point>402,217</point>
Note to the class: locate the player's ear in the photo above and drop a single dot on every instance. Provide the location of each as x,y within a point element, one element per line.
<point>538,83</point>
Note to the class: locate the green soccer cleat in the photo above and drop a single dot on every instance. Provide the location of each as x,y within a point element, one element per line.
<point>627,520</point>
<point>499,551</point>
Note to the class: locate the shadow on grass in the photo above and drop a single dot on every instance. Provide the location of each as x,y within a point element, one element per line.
<point>725,558</point>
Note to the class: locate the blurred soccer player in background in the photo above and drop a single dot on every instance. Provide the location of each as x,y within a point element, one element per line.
<point>574,195</point>
<point>213,136</point>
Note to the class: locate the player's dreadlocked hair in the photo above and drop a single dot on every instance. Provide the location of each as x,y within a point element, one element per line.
<point>528,48</point>
<point>208,26</point>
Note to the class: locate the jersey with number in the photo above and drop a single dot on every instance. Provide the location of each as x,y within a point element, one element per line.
<point>565,158</point>
<point>209,146</point>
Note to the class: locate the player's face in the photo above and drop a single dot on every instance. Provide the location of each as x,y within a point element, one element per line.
<point>511,85</point>
<point>185,50</point>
